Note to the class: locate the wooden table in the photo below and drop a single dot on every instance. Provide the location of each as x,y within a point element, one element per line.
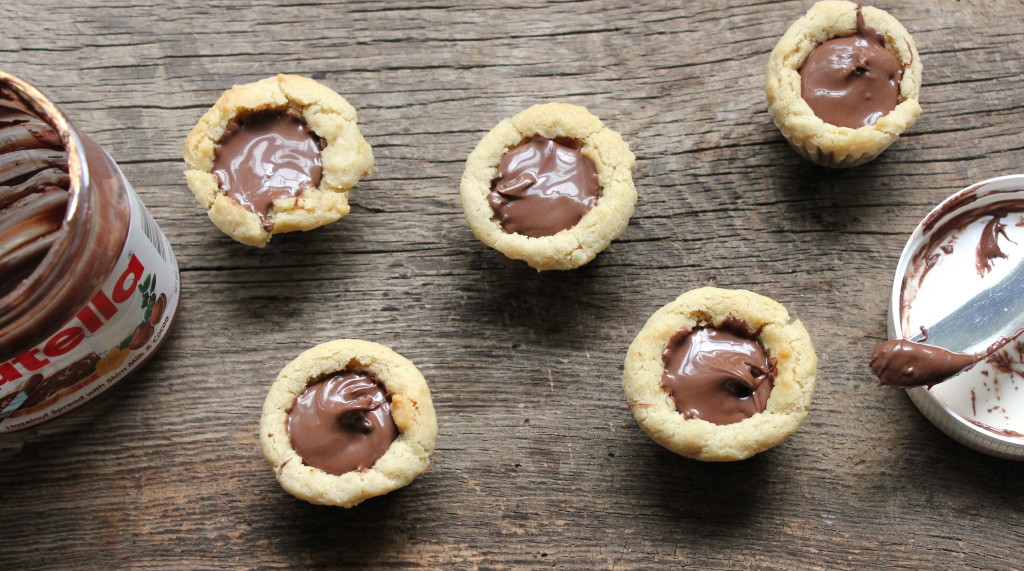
<point>538,461</point>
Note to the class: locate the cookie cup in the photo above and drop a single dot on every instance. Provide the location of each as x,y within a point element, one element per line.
<point>785,341</point>
<point>411,409</point>
<point>606,221</point>
<point>815,140</point>
<point>345,156</point>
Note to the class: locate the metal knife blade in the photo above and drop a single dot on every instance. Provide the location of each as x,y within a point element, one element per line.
<point>996,311</point>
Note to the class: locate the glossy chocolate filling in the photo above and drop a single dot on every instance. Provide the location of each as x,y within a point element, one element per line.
<point>342,423</point>
<point>719,374</point>
<point>904,363</point>
<point>34,185</point>
<point>265,157</point>
<point>543,187</point>
<point>852,81</point>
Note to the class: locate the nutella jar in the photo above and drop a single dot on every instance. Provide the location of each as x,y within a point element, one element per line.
<point>88,282</point>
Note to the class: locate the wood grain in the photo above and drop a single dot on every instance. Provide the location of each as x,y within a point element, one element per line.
<point>539,462</point>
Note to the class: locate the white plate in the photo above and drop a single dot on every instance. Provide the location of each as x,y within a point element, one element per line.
<point>983,396</point>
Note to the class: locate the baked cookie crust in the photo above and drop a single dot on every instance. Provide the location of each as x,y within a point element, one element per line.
<point>815,140</point>
<point>606,221</point>
<point>785,341</point>
<point>411,409</point>
<point>346,157</point>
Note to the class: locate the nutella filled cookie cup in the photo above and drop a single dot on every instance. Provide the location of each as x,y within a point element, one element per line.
<point>346,421</point>
<point>843,83</point>
<point>720,375</point>
<point>278,155</point>
<point>551,186</point>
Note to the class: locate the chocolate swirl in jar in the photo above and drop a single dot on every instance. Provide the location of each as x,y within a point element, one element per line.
<point>34,185</point>
<point>65,218</point>
<point>342,423</point>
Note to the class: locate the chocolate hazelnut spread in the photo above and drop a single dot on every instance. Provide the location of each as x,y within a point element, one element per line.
<point>988,245</point>
<point>342,423</point>
<point>904,363</point>
<point>852,81</point>
<point>1000,431</point>
<point>34,184</point>
<point>265,157</point>
<point>82,265</point>
<point>543,187</point>
<point>722,375</point>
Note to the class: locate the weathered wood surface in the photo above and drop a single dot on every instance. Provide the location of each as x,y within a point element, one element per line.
<point>539,462</point>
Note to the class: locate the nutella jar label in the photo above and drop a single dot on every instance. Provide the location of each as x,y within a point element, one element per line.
<point>118,330</point>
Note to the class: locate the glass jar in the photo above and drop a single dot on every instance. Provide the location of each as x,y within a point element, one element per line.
<point>101,301</point>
